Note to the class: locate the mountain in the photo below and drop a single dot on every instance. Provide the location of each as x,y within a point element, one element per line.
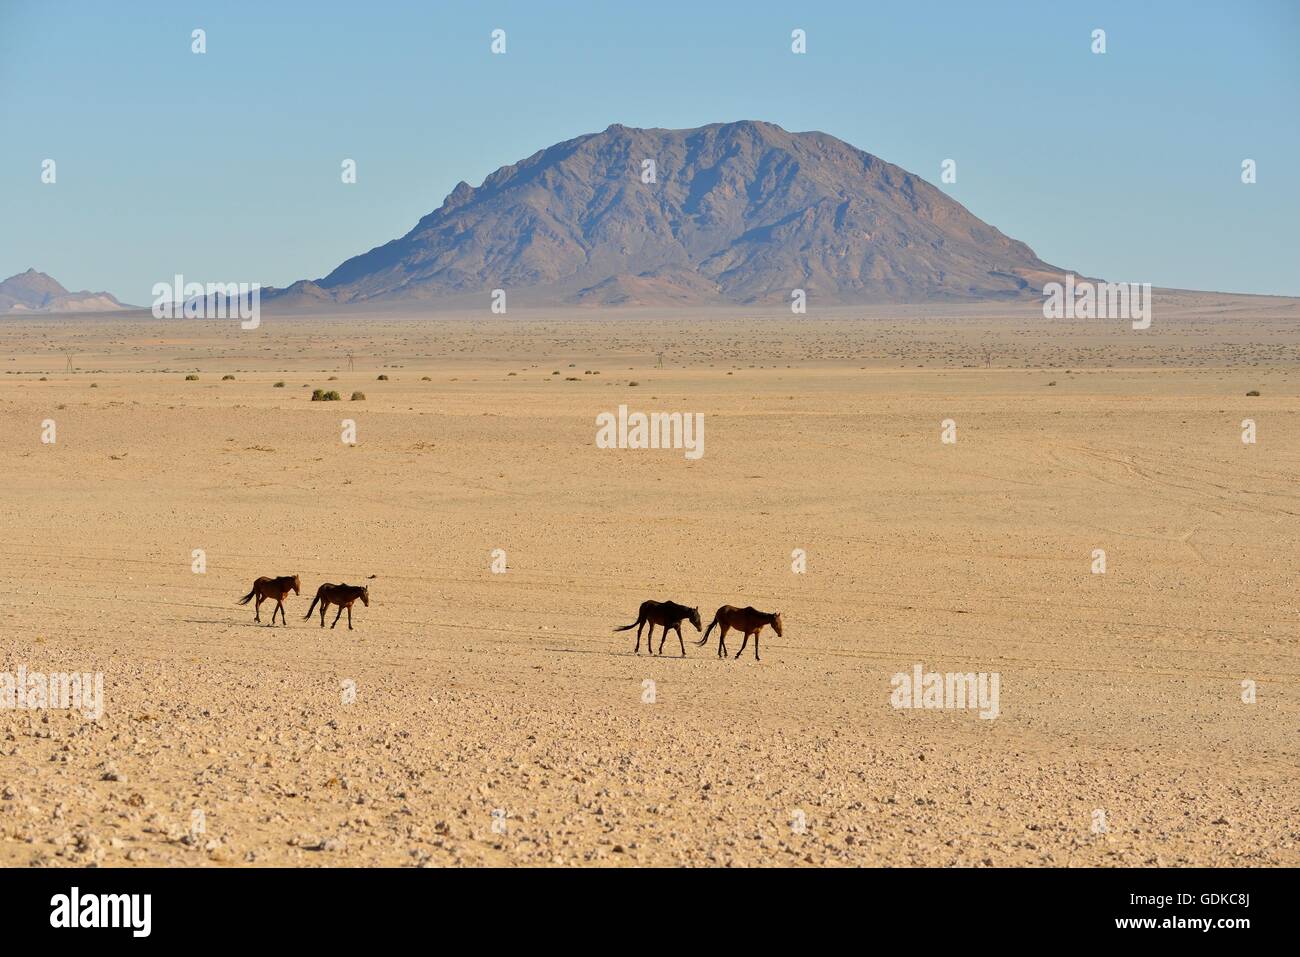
<point>738,213</point>
<point>33,291</point>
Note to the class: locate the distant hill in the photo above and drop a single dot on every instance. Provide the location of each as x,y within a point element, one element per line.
<point>738,213</point>
<point>33,291</point>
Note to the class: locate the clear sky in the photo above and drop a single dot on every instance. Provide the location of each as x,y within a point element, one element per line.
<point>226,166</point>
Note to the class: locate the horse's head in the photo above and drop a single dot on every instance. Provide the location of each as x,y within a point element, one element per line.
<point>695,618</point>
<point>297,586</point>
<point>776,623</point>
<point>365,596</point>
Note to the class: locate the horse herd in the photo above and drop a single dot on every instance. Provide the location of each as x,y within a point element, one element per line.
<point>328,594</point>
<point>670,615</point>
<point>667,614</point>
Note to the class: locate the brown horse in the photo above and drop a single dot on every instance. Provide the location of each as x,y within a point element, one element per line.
<point>667,614</point>
<point>746,620</point>
<point>341,595</point>
<point>277,588</point>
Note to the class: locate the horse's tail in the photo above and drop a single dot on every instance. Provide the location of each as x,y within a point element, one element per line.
<point>249,597</point>
<point>629,627</point>
<point>312,608</point>
<point>705,639</point>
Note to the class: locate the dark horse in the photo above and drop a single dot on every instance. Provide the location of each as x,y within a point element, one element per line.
<point>341,595</point>
<point>747,620</point>
<point>277,588</point>
<point>668,614</point>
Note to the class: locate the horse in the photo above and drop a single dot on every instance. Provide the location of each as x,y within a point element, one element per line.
<point>747,620</point>
<point>276,588</point>
<point>669,614</point>
<point>341,595</point>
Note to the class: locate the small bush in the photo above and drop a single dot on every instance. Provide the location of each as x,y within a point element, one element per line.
<point>191,378</point>
<point>425,378</point>
<point>383,378</point>
<point>1253,392</point>
<point>333,378</point>
<point>278,385</point>
<point>634,383</point>
<point>320,395</point>
<point>358,396</point>
<point>226,378</point>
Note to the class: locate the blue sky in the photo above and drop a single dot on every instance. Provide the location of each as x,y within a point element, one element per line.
<point>225,166</point>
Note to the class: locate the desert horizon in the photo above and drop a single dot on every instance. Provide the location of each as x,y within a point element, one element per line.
<point>478,692</point>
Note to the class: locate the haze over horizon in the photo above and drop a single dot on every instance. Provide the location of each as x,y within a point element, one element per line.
<point>225,166</point>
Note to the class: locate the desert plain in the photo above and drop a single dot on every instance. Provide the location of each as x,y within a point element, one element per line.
<point>481,717</point>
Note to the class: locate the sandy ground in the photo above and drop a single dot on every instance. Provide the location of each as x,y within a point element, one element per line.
<point>497,720</point>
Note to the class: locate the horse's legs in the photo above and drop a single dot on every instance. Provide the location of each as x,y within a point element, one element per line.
<point>323,606</point>
<point>257,609</point>
<point>722,641</point>
<point>336,617</point>
<point>742,645</point>
<point>639,625</point>
<point>756,658</point>
<point>279,606</point>
<point>662,638</point>
<point>350,619</point>
<point>679,639</point>
<point>650,638</point>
